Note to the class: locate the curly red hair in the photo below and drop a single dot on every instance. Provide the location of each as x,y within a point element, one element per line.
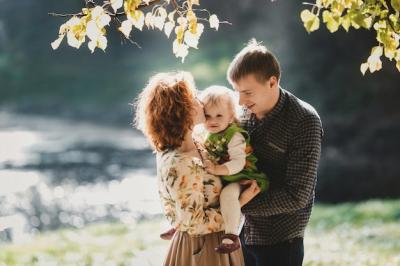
<point>164,109</point>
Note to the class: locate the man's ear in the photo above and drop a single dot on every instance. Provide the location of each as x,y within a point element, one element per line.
<point>273,82</point>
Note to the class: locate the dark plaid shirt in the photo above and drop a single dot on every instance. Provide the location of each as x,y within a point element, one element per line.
<point>287,143</point>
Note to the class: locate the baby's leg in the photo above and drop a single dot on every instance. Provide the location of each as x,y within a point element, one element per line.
<point>230,208</point>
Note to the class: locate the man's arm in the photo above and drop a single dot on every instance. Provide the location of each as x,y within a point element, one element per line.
<point>301,173</point>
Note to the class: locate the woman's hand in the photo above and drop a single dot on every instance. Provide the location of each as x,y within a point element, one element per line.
<point>250,192</point>
<point>210,167</point>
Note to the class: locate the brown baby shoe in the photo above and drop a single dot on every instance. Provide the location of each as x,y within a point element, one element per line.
<point>228,248</point>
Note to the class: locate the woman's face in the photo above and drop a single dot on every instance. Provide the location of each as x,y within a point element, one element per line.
<point>198,112</point>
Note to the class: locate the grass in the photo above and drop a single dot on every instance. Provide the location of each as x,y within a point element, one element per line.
<point>366,233</point>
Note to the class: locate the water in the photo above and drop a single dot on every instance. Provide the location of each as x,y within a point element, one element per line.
<point>61,173</point>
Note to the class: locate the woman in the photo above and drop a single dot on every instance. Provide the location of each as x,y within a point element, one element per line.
<point>166,112</point>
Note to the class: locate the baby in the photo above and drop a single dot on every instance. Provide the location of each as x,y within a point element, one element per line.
<point>229,156</point>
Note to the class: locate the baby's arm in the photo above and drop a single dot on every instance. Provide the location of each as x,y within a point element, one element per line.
<point>237,158</point>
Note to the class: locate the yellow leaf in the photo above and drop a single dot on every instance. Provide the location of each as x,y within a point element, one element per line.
<point>381,24</point>
<point>376,51</point>
<point>330,21</point>
<point>312,25</point>
<point>310,20</point>
<point>139,21</point>
<point>168,27</point>
<point>200,29</point>
<point>92,45</point>
<point>214,22</point>
<point>180,31</point>
<point>192,20</point>
<point>126,28</point>
<point>346,23</point>
<point>363,68</point>
<point>159,22</point>
<point>63,29</point>
<point>367,23</point>
<point>162,12</point>
<point>73,21</point>
<point>116,4</point>
<point>306,15</point>
<point>390,53</point>
<point>375,63</point>
<point>97,11</point>
<point>182,21</point>
<point>171,16</point>
<point>57,42</point>
<point>180,50</point>
<point>191,39</point>
<point>92,30</point>
<point>398,65</point>
<point>72,40</point>
<point>396,5</point>
<point>137,18</point>
<point>397,55</point>
<point>149,20</point>
<point>102,42</point>
<point>103,20</point>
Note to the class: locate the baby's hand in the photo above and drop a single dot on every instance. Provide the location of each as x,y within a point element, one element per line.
<point>209,166</point>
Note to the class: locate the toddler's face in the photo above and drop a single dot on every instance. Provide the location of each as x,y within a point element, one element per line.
<point>218,117</point>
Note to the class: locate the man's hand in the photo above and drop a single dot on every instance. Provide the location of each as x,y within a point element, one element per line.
<point>250,192</point>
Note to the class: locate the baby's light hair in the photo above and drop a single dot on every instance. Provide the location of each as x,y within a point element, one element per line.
<point>215,95</point>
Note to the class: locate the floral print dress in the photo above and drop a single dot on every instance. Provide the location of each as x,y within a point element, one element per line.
<point>189,195</point>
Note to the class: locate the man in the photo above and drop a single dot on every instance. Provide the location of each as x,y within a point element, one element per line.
<point>286,134</point>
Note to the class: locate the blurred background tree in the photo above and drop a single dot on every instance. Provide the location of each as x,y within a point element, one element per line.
<point>182,19</point>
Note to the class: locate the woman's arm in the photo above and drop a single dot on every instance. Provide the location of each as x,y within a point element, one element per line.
<point>191,208</point>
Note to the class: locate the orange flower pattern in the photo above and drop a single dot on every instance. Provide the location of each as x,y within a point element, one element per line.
<point>189,195</point>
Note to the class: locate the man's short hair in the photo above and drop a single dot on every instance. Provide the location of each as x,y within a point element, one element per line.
<point>254,59</point>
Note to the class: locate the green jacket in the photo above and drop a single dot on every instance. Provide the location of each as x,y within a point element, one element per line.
<point>216,145</point>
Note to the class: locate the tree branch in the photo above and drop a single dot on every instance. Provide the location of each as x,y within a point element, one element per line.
<point>391,11</point>
<point>119,14</point>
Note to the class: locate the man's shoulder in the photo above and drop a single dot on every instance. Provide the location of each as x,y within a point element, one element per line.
<point>298,108</point>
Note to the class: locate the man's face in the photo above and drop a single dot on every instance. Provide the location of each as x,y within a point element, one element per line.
<point>256,95</point>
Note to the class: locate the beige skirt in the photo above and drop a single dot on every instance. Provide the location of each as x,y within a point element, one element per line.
<point>186,250</point>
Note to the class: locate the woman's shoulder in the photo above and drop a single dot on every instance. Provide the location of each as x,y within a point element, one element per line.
<point>177,159</point>
<point>163,156</point>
